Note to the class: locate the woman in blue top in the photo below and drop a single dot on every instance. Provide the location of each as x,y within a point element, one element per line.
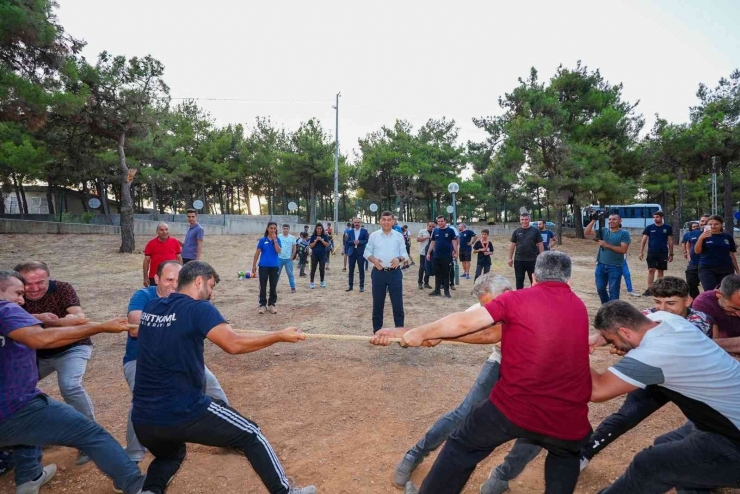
<point>267,252</point>
<point>716,251</point>
<point>319,244</point>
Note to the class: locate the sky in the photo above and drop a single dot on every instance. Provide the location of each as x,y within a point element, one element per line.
<point>410,60</point>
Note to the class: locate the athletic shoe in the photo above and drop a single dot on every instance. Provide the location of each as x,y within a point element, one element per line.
<point>82,458</point>
<point>302,490</point>
<point>261,309</point>
<point>349,289</point>
<point>584,463</point>
<point>344,269</point>
<point>272,309</point>
<point>646,293</point>
<point>452,287</point>
<point>292,290</point>
<point>404,469</point>
<point>323,285</point>
<point>634,294</point>
<point>447,294</point>
<point>427,285</point>
<point>312,286</point>
<point>494,485</point>
<point>33,486</point>
<point>435,293</point>
<point>410,488</point>
<point>421,286</point>
<point>362,289</point>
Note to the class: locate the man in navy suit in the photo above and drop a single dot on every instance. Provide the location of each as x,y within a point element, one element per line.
<point>357,238</point>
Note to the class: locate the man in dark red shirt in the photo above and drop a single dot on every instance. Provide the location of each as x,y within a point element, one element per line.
<point>159,249</point>
<point>545,383</point>
<point>51,300</point>
<point>723,304</point>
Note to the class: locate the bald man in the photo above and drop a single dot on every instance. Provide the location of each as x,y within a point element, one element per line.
<point>159,249</point>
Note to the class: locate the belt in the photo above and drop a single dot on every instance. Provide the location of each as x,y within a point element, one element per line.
<point>387,269</point>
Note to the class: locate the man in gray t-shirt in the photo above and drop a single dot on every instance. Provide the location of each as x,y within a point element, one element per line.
<point>613,245</point>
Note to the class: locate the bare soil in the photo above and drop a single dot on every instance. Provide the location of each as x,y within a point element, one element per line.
<point>339,414</point>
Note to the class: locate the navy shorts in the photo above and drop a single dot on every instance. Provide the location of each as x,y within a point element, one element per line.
<point>465,255</point>
<point>657,260</point>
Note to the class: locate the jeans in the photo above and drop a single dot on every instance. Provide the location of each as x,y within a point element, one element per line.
<point>608,273</point>
<point>423,273</point>
<point>692,279</point>
<point>70,368</point>
<point>220,425</point>
<point>288,265</point>
<point>481,269</point>
<point>134,449</point>
<point>359,261</point>
<point>520,269</point>
<point>442,273</point>
<point>268,274</point>
<point>638,405</point>
<point>43,421</point>
<point>391,282</point>
<point>485,429</point>
<point>321,263</point>
<point>627,275</point>
<point>712,276</point>
<point>691,460</point>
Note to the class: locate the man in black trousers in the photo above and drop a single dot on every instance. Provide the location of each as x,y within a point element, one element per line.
<point>424,239</point>
<point>443,249</point>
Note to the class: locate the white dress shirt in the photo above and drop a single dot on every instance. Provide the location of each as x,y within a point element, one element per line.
<point>384,247</point>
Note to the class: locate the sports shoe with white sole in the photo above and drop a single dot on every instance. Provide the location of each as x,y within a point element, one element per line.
<point>634,294</point>
<point>410,488</point>
<point>494,485</point>
<point>584,463</point>
<point>302,490</point>
<point>33,486</point>
<point>404,469</point>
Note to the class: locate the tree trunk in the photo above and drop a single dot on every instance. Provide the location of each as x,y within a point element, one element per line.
<point>679,208</point>
<point>103,194</point>
<point>23,196</point>
<point>247,199</point>
<point>84,197</point>
<point>50,196</point>
<point>17,190</point>
<point>727,202</point>
<point>127,203</point>
<point>577,220</point>
<point>312,195</point>
<point>559,226</point>
<point>155,202</point>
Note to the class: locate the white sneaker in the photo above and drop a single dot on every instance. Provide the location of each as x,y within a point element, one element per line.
<point>33,486</point>
<point>634,294</point>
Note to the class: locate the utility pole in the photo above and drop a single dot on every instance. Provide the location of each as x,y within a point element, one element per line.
<point>336,166</point>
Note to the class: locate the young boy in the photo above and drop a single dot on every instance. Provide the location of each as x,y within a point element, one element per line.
<point>302,251</point>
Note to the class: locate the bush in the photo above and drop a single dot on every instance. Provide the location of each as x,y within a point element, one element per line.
<point>87,217</point>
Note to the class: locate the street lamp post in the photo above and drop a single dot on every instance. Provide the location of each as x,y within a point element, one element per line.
<point>453,188</point>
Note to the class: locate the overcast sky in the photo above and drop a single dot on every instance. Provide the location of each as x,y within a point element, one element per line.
<point>409,59</point>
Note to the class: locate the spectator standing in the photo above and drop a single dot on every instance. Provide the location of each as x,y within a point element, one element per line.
<point>302,253</point>
<point>442,249</point>
<point>319,245</point>
<point>424,239</point>
<point>688,243</point>
<point>613,244</point>
<point>268,249</point>
<point>287,255</point>
<point>192,246</point>
<point>345,246</point>
<point>716,250</point>
<point>160,248</point>
<point>527,242</point>
<point>467,239</point>
<point>357,238</point>
<point>659,238</point>
<point>549,240</point>
<point>484,249</point>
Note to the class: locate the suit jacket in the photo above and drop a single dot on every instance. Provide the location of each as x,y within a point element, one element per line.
<point>360,249</point>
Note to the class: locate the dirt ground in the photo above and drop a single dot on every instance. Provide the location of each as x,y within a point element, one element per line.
<point>339,414</point>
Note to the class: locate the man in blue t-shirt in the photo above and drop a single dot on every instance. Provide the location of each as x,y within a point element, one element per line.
<point>193,243</point>
<point>169,406</point>
<point>30,418</point>
<point>442,249</point>
<point>167,275</point>
<point>659,239</point>
<point>688,242</point>
<point>466,241</point>
<point>548,238</point>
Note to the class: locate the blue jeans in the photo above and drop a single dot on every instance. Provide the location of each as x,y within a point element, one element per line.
<point>691,460</point>
<point>288,265</point>
<point>45,421</point>
<point>70,367</point>
<point>627,275</point>
<point>611,275</point>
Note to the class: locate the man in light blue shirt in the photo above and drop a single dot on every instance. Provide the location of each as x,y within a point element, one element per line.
<point>286,255</point>
<point>193,243</point>
<point>386,251</point>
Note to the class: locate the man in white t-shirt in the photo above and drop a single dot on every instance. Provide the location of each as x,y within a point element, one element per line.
<point>424,238</point>
<point>486,288</point>
<point>679,364</point>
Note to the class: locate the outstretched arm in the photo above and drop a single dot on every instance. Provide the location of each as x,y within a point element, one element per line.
<point>449,327</point>
<point>236,343</point>
<point>40,338</point>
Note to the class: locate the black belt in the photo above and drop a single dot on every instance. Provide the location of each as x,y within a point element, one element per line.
<point>387,269</point>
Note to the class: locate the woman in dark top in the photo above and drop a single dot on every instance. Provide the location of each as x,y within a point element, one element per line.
<point>484,249</point>
<point>319,243</point>
<point>716,251</point>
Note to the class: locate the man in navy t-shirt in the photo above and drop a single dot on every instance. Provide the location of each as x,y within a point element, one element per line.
<point>659,239</point>
<point>169,406</point>
<point>442,248</point>
<point>548,238</point>
<point>167,275</point>
<point>466,241</point>
<point>688,242</point>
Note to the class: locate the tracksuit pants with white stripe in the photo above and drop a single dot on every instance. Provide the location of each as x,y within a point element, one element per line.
<point>220,425</point>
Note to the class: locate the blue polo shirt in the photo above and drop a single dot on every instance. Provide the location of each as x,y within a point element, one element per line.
<point>18,371</point>
<point>691,238</point>
<point>142,297</point>
<point>547,235</point>
<point>658,237</point>
<point>443,241</point>
<point>269,256</point>
<point>170,370</point>
<point>716,250</point>
<point>190,245</point>
<point>465,238</point>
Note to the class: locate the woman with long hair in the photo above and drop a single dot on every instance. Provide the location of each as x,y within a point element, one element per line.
<point>267,252</point>
<point>319,244</point>
<point>716,250</point>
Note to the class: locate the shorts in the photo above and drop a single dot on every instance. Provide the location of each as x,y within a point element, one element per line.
<point>465,256</point>
<point>657,260</point>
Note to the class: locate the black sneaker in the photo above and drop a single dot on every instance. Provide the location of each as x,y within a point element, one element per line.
<point>646,293</point>
<point>452,287</point>
<point>435,293</point>
<point>447,295</point>
<point>421,286</point>
<point>427,285</point>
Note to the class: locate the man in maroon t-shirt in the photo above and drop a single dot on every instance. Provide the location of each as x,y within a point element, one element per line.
<point>545,383</point>
<point>723,304</point>
<point>159,249</point>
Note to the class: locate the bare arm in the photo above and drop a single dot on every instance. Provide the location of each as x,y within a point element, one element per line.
<point>278,248</point>
<point>40,338</point>
<point>488,336</point>
<point>199,249</point>
<point>237,343</point>
<point>75,311</point>
<point>455,246</point>
<point>147,260</point>
<point>590,228</point>
<point>134,317</point>
<point>730,345</point>
<point>449,327</point>
<point>541,247</point>
<point>607,385</point>
<point>512,247</point>
<point>256,258</point>
<point>643,241</point>
<point>733,257</point>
